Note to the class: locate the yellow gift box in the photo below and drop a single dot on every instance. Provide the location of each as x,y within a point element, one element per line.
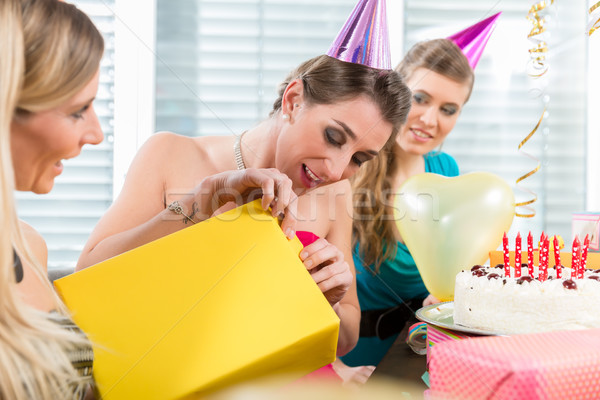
<point>215,304</point>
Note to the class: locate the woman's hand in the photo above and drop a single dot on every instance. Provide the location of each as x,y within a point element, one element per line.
<point>429,300</point>
<point>353,377</point>
<point>327,266</point>
<point>226,190</point>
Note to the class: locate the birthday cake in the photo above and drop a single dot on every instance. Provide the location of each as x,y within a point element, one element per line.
<point>484,298</point>
<point>529,298</point>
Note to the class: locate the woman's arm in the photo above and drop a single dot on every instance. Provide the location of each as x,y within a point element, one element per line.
<point>341,235</point>
<point>139,215</point>
<point>330,262</point>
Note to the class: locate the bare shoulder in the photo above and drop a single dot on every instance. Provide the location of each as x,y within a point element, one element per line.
<point>341,188</point>
<point>30,233</point>
<point>164,144</point>
<point>34,289</point>
<point>342,193</point>
<point>168,159</point>
<point>337,194</point>
<point>322,208</point>
<point>36,243</point>
<point>205,153</point>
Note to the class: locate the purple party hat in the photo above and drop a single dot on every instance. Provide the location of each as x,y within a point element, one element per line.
<point>472,40</point>
<point>364,37</point>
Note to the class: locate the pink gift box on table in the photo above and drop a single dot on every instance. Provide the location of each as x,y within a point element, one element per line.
<point>587,223</point>
<point>437,334</point>
<point>550,365</point>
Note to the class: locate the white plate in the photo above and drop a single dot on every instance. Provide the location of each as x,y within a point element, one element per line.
<point>442,315</point>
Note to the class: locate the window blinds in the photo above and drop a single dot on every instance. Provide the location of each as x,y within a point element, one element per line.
<point>219,62</point>
<point>82,193</point>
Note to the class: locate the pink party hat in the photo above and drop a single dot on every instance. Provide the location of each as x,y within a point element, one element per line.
<point>472,40</point>
<point>364,37</point>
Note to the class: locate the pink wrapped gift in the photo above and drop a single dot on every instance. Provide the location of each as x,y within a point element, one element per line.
<point>436,334</point>
<point>550,365</point>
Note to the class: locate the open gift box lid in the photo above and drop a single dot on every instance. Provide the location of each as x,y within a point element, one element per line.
<point>217,303</point>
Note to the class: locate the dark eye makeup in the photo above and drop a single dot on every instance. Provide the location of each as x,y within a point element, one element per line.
<point>338,138</point>
<point>422,98</point>
<point>335,137</point>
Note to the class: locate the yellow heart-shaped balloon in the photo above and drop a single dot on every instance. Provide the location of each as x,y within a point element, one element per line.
<point>450,224</point>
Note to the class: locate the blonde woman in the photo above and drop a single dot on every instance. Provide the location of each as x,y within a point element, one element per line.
<point>49,58</point>
<point>49,69</point>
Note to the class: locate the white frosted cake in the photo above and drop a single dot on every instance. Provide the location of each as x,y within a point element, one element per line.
<point>484,298</point>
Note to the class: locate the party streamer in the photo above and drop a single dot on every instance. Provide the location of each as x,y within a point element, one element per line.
<point>595,21</point>
<point>537,52</point>
<point>525,204</point>
<point>417,337</point>
<point>538,66</point>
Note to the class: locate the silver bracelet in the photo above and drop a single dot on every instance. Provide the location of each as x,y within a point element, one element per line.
<point>178,209</point>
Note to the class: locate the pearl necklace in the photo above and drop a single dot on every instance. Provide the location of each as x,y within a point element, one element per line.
<point>237,152</point>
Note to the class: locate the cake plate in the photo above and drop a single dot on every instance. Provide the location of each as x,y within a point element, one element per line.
<point>442,315</point>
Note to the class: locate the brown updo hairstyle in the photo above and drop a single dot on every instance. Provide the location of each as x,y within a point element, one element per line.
<point>328,80</point>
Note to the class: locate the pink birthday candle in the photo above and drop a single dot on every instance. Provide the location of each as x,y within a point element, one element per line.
<point>530,254</point>
<point>542,237</point>
<point>584,251</point>
<point>518,255</point>
<point>506,255</point>
<point>557,258</point>
<point>543,270</point>
<point>540,245</point>
<point>575,258</point>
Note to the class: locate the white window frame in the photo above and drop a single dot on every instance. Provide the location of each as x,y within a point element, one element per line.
<point>593,124</point>
<point>135,66</point>
<point>395,8</point>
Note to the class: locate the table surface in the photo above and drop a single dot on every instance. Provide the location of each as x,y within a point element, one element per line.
<point>402,364</point>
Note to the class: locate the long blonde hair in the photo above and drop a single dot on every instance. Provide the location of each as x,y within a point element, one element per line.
<point>373,228</point>
<point>49,51</point>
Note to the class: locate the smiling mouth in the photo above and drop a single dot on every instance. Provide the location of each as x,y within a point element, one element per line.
<point>311,175</point>
<point>421,134</point>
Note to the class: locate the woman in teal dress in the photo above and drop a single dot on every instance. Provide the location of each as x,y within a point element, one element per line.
<point>389,285</point>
